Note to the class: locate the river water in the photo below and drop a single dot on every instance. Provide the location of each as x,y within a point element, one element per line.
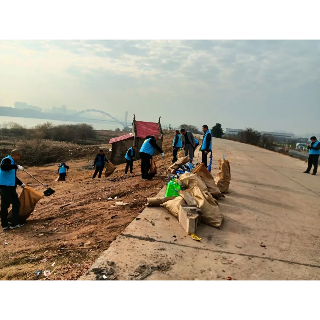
<point>30,122</point>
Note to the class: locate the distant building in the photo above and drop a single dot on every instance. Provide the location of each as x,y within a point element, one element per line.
<point>25,106</point>
<point>283,136</point>
<point>232,132</point>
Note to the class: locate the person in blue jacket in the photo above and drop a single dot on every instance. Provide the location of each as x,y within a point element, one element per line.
<point>130,157</point>
<point>8,185</point>
<point>176,145</point>
<point>62,169</point>
<point>146,153</point>
<point>99,163</point>
<point>314,152</point>
<point>206,146</point>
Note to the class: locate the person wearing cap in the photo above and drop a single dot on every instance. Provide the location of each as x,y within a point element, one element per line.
<point>146,152</point>
<point>314,151</point>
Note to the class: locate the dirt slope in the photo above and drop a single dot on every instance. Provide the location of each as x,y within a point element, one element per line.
<point>69,229</point>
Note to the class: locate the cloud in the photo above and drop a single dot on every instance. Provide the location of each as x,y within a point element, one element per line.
<point>235,77</point>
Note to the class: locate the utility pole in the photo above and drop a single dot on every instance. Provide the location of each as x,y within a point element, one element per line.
<point>126,118</point>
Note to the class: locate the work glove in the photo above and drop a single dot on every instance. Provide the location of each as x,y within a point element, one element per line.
<point>20,168</point>
<point>23,185</point>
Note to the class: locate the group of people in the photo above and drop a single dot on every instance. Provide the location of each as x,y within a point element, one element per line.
<point>185,140</point>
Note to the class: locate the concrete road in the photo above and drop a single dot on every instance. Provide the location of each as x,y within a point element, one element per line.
<point>271,227</point>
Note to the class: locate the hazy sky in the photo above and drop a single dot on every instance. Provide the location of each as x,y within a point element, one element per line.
<point>268,85</point>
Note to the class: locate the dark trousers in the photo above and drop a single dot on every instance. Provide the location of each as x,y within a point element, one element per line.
<point>98,169</point>
<point>129,164</point>
<point>145,164</point>
<point>189,151</point>
<point>62,176</point>
<point>174,154</point>
<point>9,196</point>
<point>204,158</point>
<point>313,160</point>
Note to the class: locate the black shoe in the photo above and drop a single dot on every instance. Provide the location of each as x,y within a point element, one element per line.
<point>314,174</point>
<point>306,172</point>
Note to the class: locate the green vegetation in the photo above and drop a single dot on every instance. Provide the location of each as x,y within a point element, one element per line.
<point>217,131</point>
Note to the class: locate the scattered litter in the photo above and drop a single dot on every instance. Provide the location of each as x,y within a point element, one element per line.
<point>105,273</point>
<point>262,245</point>
<point>109,199</point>
<point>174,236</point>
<point>46,273</point>
<point>53,264</point>
<point>6,243</point>
<point>138,218</point>
<point>64,205</point>
<point>38,272</point>
<point>115,198</point>
<point>152,222</point>
<point>229,278</point>
<point>121,203</point>
<point>195,237</point>
<point>113,217</point>
<point>40,234</point>
<point>43,260</point>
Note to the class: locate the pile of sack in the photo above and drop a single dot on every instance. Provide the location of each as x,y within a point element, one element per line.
<point>196,188</point>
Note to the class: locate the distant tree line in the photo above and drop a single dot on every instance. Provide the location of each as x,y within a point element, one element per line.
<point>48,131</point>
<point>253,137</point>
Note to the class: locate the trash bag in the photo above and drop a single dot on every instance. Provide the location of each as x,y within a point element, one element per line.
<point>173,206</point>
<point>210,212</point>
<point>157,201</point>
<point>201,171</point>
<point>109,169</point>
<point>28,200</point>
<point>173,188</point>
<point>153,168</point>
<point>223,176</point>
<point>188,180</point>
<point>181,161</point>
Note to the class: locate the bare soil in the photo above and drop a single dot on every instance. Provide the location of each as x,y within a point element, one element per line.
<point>68,230</point>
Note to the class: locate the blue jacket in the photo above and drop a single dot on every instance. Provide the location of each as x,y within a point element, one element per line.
<point>196,141</point>
<point>315,148</point>
<point>207,141</point>
<point>100,160</point>
<point>130,154</point>
<point>8,177</point>
<point>147,147</point>
<point>177,141</point>
<point>63,168</point>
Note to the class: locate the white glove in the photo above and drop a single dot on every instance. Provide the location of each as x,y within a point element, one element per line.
<point>20,168</point>
<point>23,185</point>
